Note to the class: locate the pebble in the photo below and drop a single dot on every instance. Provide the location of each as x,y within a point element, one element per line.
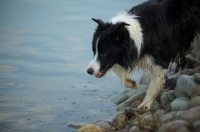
<point>138,96</point>
<point>196,125</point>
<point>197,77</point>
<point>90,128</point>
<point>103,124</point>
<point>194,102</point>
<point>171,116</point>
<point>134,129</point>
<point>186,86</point>
<point>167,98</point>
<point>180,103</point>
<point>191,115</point>
<point>174,126</point>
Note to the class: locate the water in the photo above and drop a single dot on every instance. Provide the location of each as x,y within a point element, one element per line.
<point>45,47</point>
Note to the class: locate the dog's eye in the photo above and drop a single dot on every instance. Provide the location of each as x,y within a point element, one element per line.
<point>103,55</point>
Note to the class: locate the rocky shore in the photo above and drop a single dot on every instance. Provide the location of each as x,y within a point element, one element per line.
<point>176,109</point>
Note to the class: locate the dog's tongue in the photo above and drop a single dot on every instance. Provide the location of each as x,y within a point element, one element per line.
<point>98,75</point>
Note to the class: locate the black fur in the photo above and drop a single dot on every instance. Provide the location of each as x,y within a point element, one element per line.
<point>168,27</point>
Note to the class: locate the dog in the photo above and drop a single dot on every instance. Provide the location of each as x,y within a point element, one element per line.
<point>150,36</point>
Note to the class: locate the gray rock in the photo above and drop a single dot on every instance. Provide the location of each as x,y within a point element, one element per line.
<point>103,124</point>
<point>186,86</point>
<point>134,129</point>
<point>171,116</point>
<point>197,77</point>
<point>180,103</point>
<point>167,98</point>
<point>175,126</point>
<point>194,102</point>
<point>196,125</point>
<point>137,97</point>
<point>196,94</point>
<point>191,115</point>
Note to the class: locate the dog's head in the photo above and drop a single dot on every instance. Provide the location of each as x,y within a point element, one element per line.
<point>108,45</point>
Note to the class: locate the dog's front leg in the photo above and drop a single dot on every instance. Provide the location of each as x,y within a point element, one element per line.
<point>123,75</point>
<point>153,89</point>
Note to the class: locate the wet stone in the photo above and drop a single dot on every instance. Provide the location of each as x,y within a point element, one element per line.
<point>180,103</point>
<point>175,126</point>
<point>194,102</point>
<point>196,125</point>
<point>197,77</point>
<point>186,86</point>
<point>167,98</point>
<point>191,115</point>
<point>103,124</point>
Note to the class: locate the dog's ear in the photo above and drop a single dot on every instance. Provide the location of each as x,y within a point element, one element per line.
<point>99,22</point>
<point>118,30</point>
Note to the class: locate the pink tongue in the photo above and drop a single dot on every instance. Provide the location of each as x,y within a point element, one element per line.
<point>98,75</point>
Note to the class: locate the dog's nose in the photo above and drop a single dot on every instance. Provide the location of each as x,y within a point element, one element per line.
<point>90,71</point>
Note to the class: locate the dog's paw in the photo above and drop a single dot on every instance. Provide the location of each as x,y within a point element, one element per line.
<point>145,105</point>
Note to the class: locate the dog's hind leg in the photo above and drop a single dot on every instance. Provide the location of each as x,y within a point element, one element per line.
<point>153,89</point>
<point>123,75</point>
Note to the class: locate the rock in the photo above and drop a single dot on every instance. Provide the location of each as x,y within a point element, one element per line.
<point>196,125</point>
<point>75,125</point>
<point>171,116</point>
<point>191,115</point>
<point>197,77</point>
<point>155,106</point>
<point>187,72</point>
<point>138,96</point>
<point>103,124</point>
<point>145,79</point>
<point>161,111</point>
<point>128,93</point>
<point>196,49</point>
<point>133,129</point>
<point>135,104</point>
<point>175,126</point>
<point>186,86</point>
<point>121,97</point>
<point>180,103</point>
<point>121,121</point>
<point>167,98</point>
<point>194,102</point>
<point>196,94</point>
<point>90,128</point>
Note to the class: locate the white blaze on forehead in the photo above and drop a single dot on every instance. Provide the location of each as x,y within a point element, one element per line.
<point>94,64</point>
<point>134,29</point>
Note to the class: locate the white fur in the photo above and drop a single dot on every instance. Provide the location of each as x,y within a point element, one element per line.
<point>95,64</point>
<point>134,29</point>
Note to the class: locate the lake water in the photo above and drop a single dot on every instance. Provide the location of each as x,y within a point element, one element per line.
<point>45,48</point>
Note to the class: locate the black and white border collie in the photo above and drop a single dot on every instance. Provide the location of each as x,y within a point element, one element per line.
<point>150,36</point>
